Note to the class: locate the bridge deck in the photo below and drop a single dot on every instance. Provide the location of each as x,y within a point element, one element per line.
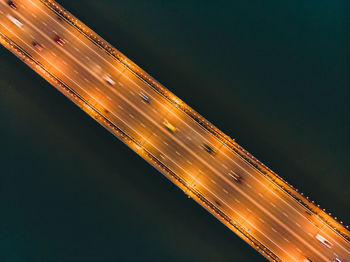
<point>257,209</point>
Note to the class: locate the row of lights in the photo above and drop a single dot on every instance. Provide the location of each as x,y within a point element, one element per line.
<point>179,103</point>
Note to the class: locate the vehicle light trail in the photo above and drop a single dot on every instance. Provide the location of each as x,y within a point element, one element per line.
<point>206,164</point>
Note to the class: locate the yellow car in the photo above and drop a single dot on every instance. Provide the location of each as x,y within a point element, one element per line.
<point>169,126</point>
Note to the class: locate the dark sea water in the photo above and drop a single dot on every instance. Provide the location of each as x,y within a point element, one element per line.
<point>274,75</point>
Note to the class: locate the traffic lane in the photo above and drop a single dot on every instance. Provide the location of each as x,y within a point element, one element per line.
<point>276,233</point>
<point>24,40</point>
<point>264,234</point>
<point>279,194</point>
<point>292,207</point>
<point>85,45</point>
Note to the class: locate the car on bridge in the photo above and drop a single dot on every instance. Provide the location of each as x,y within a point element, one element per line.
<point>237,178</point>
<point>209,149</point>
<point>169,126</point>
<point>109,80</point>
<point>15,21</point>
<point>145,98</point>
<point>37,45</point>
<point>324,241</point>
<point>12,4</point>
<point>58,40</point>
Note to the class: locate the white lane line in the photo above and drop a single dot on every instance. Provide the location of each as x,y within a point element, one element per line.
<point>188,138</point>
<point>131,116</point>
<point>177,153</point>
<point>249,185</point>
<point>188,161</point>
<point>53,53</point>
<point>165,143</point>
<point>311,235</point>
<point>262,220</point>
<point>143,125</point>
<point>120,83</point>
<point>97,88</point>
<point>44,24</point>
<point>64,62</point>
<point>237,200</point>
<point>260,194</point>
<point>200,171</point>
<point>225,191</point>
<point>33,15</point>
<point>286,239</point>
<point>86,80</point>
<point>212,181</point>
<point>272,204</point>
<point>155,111</point>
<point>1,12</point>
<point>31,36</point>
<point>120,107</point>
<point>131,92</point>
<point>299,250</point>
<point>298,224</point>
<point>109,98</point>
<point>224,165</point>
<point>75,71</point>
<point>249,210</point>
<point>155,134</point>
<point>274,229</point>
<point>285,214</point>
<point>87,57</point>
<point>76,49</point>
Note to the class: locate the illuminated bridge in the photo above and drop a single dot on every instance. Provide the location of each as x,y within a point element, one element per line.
<point>210,167</point>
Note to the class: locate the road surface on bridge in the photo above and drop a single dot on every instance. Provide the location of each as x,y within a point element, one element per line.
<point>269,214</point>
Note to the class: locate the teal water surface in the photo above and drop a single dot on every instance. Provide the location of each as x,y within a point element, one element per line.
<point>272,75</point>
